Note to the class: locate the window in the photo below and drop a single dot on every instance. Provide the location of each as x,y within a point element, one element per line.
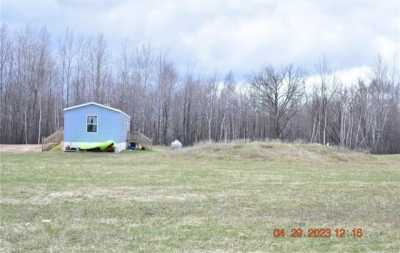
<point>92,124</point>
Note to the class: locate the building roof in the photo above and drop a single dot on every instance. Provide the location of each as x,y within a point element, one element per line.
<point>96,104</point>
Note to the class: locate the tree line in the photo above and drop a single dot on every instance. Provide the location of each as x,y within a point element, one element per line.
<point>40,76</point>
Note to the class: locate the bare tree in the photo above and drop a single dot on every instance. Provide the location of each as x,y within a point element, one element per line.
<point>37,80</point>
<point>280,93</point>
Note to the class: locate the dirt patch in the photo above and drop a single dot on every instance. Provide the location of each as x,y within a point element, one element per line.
<point>238,146</point>
<point>20,148</point>
<point>265,146</point>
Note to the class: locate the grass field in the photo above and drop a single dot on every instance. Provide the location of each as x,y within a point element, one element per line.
<point>208,198</point>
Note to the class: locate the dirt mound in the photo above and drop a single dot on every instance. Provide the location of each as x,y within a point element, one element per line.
<point>269,151</point>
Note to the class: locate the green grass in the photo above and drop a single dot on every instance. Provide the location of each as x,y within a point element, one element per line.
<point>208,198</point>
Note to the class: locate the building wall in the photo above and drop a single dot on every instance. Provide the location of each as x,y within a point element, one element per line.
<point>111,125</point>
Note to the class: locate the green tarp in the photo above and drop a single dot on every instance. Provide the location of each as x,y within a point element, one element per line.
<point>100,146</point>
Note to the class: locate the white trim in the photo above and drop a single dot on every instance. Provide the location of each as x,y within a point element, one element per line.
<point>97,104</point>
<point>118,146</point>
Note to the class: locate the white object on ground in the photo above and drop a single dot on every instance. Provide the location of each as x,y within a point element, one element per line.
<point>176,144</point>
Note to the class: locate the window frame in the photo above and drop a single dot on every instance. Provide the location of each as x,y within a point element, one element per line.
<point>96,124</point>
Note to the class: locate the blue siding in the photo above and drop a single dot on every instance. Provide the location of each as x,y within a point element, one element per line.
<point>111,125</point>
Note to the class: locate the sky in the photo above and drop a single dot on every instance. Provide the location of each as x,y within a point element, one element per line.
<point>232,35</point>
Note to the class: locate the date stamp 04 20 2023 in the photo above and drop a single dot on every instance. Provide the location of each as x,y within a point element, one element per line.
<point>356,233</point>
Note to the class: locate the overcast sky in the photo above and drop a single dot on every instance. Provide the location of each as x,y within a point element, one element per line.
<point>222,35</point>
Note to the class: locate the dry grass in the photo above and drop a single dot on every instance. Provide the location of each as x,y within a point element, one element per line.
<point>207,198</point>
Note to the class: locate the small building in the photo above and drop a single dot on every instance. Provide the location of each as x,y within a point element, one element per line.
<point>92,123</point>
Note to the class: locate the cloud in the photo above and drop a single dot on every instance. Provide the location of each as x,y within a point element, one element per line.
<point>345,77</point>
<point>233,35</point>
<point>90,4</point>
